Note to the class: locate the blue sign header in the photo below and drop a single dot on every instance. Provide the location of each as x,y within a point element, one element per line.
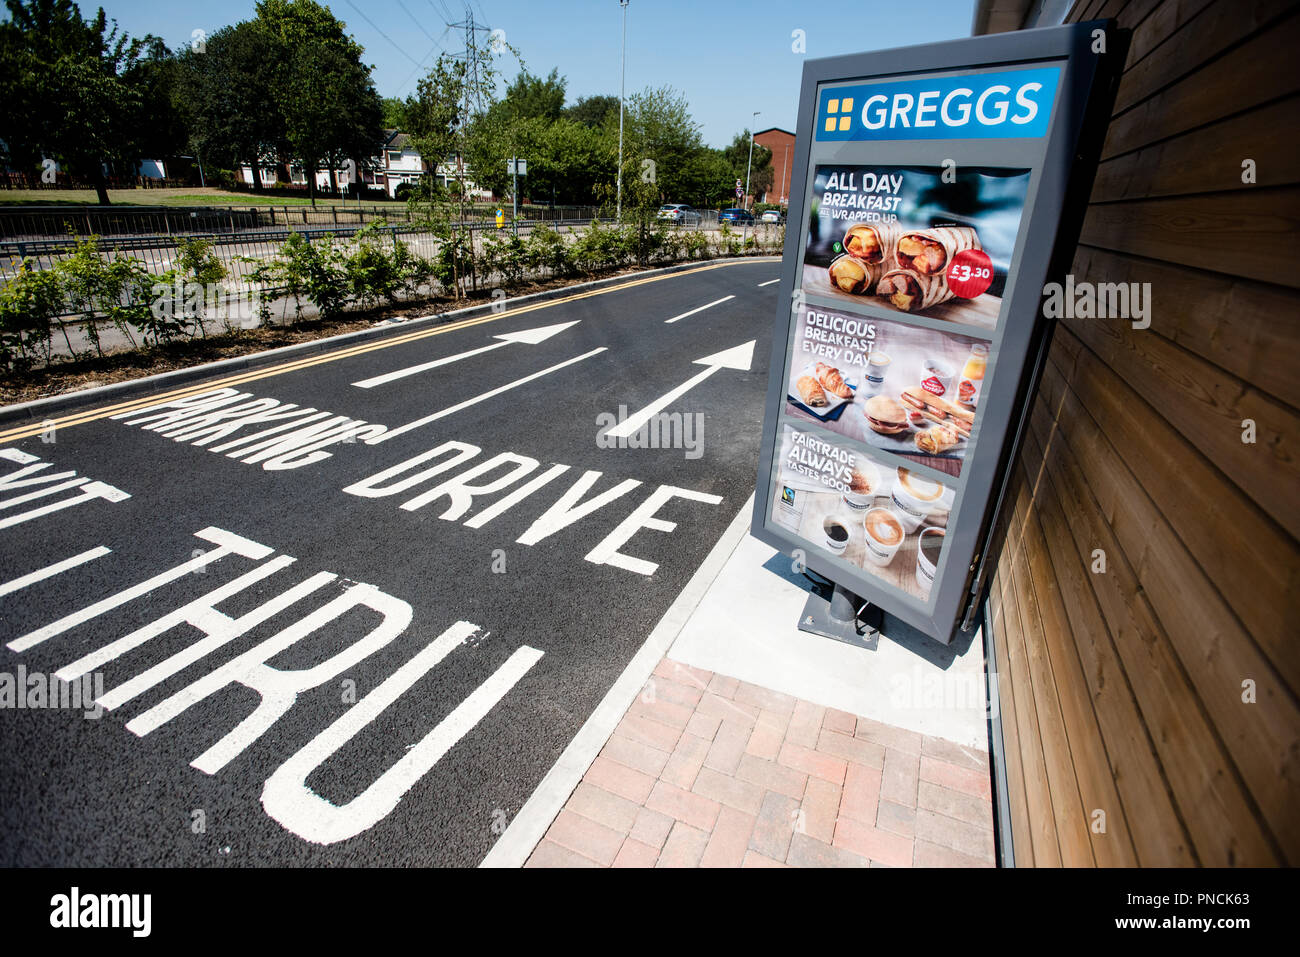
<point>1005,105</point>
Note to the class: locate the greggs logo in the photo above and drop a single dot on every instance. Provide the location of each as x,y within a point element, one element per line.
<point>1000,105</point>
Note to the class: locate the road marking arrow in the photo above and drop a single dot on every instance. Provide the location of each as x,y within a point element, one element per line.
<point>528,336</point>
<point>480,398</point>
<point>740,357</point>
<point>709,305</point>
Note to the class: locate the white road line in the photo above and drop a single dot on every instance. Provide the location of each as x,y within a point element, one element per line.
<point>49,571</point>
<point>530,336</point>
<point>424,367</point>
<point>530,824</point>
<point>480,398</point>
<point>741,358</point>
<point>700,309</point>
<point>769,282</point>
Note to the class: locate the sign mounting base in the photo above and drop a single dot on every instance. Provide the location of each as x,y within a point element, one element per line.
<point>836,617</point>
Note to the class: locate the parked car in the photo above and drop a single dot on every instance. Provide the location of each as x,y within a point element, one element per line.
<point>736,217</point>
<point>772,216</point>
<point>680,214</point>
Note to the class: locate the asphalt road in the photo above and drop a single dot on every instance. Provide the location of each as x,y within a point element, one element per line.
<point>414,739</point>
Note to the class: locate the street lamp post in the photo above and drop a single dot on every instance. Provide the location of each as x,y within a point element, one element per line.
<point>622,83</point>
<point>748,166</point>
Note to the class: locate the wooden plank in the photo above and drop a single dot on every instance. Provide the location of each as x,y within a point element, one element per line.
<point>1259,70</point>
<point>1208,407</point>
<point>1212,800</point>
<point>1069,816</point>
<point>1041,823</point>
<point>1262,740</point>
<point>1249,234</point>
<point>1252,561</point>
<point>1093,772</point>
<point>1209,159</point>
<point>1212,30</point>
<point>1155,22</point>
<point>1236,324</point>
<point>1017,800</point>
<point>1160,837</point>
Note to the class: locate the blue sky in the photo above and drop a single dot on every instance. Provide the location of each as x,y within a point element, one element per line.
<point>730,57</point>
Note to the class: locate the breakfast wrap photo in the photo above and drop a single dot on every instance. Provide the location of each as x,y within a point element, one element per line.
<point>923,240</point>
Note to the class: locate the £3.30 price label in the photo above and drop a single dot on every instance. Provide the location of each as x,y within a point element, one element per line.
<point>970,273</point>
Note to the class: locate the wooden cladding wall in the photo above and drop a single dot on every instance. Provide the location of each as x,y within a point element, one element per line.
<point>1150,570</point>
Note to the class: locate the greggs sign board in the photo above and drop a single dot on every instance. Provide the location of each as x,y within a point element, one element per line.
<point>1001,105</point>
<point>935,190</point>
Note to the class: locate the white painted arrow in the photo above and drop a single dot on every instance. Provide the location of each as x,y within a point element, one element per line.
<point>528,336</point>
<point>385,436</point>
<point>740,357</point>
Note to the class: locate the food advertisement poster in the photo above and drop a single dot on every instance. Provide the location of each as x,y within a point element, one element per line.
<point>884,520</point>
<point>934,241</point>
<point>904,389</point>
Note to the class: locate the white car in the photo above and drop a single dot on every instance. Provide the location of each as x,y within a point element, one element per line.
<point>771,216</point>
<point>680,213</point>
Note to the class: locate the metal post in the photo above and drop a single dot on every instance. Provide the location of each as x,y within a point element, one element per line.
<point>622,84</point>
<point>744,236</point>
<point>514,196</point>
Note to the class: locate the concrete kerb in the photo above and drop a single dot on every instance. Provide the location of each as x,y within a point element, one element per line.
<point>39,409</point>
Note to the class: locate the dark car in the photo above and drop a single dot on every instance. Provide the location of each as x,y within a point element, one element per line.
<point>736,217</point>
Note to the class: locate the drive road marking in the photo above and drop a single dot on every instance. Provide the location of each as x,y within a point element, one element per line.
<point>103,412</point>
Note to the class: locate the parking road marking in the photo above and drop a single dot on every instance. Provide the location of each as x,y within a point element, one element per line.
<point>700,309</point>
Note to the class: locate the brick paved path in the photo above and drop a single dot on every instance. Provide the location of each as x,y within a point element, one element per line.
<point>709,771</point>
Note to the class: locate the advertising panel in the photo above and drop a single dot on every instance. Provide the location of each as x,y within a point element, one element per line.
<point>932,188</point>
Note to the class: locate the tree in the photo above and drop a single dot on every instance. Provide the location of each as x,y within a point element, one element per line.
<point>396,113</point>
<point>594,111</point>
<point>227,92</point>
<point>328,106</point>
<point>79,92</point>
<point>530,97</point>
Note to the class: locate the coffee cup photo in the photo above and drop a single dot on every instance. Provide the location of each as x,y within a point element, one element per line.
<point>837,535</point>
<point>917,500</point>
<point>928,548</point>
<point>884,535</point>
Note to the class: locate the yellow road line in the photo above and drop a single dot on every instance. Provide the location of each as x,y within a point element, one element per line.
<point>103,412</point>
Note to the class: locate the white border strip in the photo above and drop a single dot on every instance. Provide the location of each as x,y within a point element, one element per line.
<point>529,825</point>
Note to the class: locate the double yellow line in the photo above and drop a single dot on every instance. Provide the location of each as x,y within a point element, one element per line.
<point>103,412</point>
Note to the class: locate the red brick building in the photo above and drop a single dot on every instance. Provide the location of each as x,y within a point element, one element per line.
<point>781,143</point>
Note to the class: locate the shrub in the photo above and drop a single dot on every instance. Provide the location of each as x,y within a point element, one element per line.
<point>545,249</point>
<point>118,289</point>
<point>29,303</point>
